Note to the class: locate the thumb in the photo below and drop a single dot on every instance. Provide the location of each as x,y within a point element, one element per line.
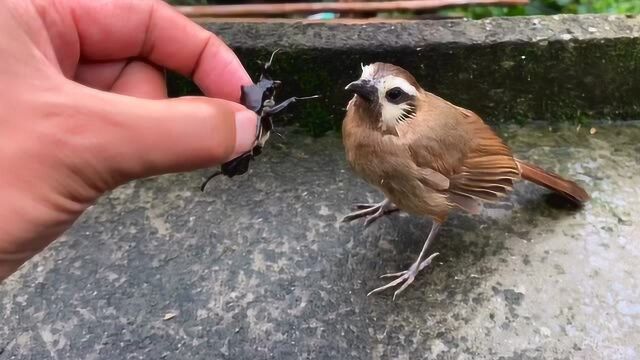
<point>142,137</point>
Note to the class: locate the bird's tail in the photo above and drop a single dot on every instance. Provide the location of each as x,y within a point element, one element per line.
<point>554,182</point>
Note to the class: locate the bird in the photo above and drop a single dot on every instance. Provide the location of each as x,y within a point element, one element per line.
<point>428,157</point>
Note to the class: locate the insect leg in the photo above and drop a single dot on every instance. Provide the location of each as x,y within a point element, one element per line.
<point>284,104</point>
<point>279,135</point>
<point>204,184</point>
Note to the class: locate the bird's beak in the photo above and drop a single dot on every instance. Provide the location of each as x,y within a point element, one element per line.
<point>365,89</point>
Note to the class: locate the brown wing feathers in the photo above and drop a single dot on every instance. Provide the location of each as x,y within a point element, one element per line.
<point>489,171</point>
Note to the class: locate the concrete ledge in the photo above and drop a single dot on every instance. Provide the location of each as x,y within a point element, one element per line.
<point>556,68</point>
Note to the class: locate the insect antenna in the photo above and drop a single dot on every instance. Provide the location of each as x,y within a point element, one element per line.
<point>268,64</point>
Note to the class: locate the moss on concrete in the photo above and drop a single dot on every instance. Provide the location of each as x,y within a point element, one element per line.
<point>560,68</point>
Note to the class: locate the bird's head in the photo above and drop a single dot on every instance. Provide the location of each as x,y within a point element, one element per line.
<point>387,92</point>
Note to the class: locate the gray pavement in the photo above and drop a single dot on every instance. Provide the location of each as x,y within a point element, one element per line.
<point>258,267</point>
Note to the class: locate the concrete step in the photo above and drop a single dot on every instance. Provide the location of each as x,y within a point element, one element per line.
<point>551,68</point>
<point>258,267</point>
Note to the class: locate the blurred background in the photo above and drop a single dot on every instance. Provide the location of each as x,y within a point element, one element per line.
<point>474,9</point>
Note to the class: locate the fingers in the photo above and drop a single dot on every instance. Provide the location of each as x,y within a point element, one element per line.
<point>99,75</point>
<point>157,32</point>
<point>133,78</point>
<point>140,138</point>
<point>141,80</point>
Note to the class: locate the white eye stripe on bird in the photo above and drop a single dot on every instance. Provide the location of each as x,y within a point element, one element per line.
<point>398,96</point>
<point>391,82</point>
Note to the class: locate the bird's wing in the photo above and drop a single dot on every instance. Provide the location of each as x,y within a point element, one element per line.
<point>433,179</point>
<point>457,144</point>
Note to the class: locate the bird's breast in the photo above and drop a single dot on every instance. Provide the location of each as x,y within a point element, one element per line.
<point>383,166</point>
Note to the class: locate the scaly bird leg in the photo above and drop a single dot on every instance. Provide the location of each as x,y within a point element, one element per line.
<point>371,211</point>
<point>407,276</point>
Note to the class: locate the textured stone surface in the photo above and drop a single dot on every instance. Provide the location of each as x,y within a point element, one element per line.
<point>506,69</point>
<point>258,267</point>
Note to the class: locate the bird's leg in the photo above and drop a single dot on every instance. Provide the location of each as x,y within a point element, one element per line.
<point>407,276</point>
<point>371,211</point>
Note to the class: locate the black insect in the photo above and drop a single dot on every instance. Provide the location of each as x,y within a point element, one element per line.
<point>258,97</point>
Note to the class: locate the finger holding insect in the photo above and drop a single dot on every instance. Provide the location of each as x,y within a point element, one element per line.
<point>258,97</point>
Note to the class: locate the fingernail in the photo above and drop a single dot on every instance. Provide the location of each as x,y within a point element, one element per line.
<point>245,131</point>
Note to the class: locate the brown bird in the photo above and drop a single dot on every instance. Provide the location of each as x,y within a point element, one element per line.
<point>428,156</point>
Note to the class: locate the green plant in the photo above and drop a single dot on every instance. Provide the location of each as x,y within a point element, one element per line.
<point>550,7</point>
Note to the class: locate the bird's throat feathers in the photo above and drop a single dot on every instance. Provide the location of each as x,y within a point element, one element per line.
<point>378,117</point>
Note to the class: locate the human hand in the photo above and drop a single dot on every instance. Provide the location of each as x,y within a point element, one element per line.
<point>84,109</point>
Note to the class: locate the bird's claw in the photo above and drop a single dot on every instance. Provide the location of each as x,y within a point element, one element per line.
<point>371,211</point>
<point>407,276</point>
<point>365,206</point>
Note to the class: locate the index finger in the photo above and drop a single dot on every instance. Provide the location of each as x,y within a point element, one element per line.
<point>154,30</point>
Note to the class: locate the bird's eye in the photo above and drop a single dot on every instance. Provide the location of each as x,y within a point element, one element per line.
<point>394,94</point>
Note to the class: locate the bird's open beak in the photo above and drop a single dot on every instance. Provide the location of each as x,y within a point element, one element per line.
<point>365,89</point>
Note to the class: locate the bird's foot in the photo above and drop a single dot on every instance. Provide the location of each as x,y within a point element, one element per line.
<point>371,211</point>
<point>406,276</point>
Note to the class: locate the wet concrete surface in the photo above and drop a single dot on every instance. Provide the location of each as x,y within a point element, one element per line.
<point>258,267</point>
